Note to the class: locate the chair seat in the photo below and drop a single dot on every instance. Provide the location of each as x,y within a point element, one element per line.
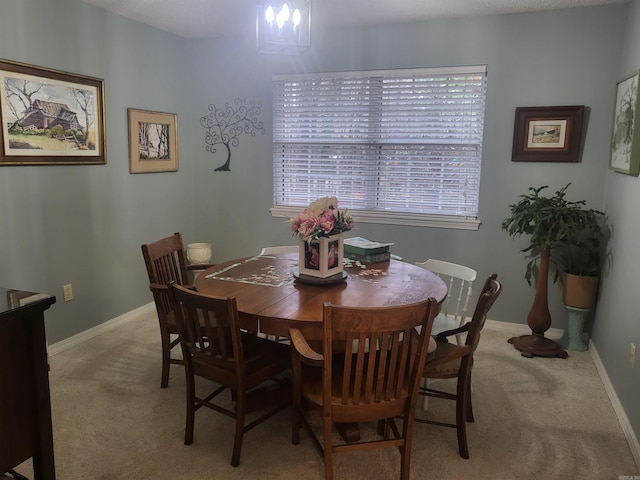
<point>444,370</point>
<point>262,360</point>
<point>312,390</point>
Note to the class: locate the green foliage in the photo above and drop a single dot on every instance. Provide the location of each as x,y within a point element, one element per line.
<point>571,232</point>
<point>56,131</point>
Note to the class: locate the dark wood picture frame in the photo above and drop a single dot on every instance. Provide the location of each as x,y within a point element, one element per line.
<point>50,117</point>
<point>625,136</point>
<point>547,134</point>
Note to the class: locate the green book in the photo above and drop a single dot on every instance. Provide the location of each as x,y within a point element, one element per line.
<point>362,246</point>
<point>367,259</point>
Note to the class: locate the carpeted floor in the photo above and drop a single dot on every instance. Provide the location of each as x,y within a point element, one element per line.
<point>535,419</point>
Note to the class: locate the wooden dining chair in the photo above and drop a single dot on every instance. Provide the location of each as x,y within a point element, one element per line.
<point>368,372</point>
<point>216,349</point>
<point>166,262</point>
<point>451,360</point>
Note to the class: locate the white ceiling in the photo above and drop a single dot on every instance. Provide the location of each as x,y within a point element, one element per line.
<point>220,18</point>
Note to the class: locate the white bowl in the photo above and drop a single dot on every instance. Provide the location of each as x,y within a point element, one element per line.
<point>199,253</point>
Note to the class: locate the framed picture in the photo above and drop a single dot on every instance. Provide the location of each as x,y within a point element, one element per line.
<point>153,141</point>
<point>547,134</point>
<point>625,139</point>
<point>50,117</point>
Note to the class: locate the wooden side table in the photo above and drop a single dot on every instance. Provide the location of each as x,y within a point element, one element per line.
<point>25,409</point>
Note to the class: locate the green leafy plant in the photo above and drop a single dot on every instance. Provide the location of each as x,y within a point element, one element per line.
<point>571,232</point>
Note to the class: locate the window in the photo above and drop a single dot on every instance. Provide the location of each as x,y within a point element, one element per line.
<point>395,146</point>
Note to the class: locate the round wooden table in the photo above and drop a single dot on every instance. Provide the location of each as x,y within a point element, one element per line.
<point>271,301</point>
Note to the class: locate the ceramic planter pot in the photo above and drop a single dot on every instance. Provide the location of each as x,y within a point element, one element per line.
<point>579,291</point>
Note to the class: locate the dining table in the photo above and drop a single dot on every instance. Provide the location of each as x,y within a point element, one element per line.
<point>273,297</point>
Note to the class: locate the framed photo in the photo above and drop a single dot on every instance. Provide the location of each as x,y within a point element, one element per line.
<point>547,134</point>
<point>50,117</point>
<point>153,141</point>
<point>625,139</point>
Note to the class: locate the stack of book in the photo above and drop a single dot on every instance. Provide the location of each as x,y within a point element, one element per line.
<point>366,251</point>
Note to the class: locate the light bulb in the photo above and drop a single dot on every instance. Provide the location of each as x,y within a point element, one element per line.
<point>283,15</point>
<point>269,14</point>
<point>296,17</point>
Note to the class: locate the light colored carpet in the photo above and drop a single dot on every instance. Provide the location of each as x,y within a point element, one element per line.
<point>535,418</point>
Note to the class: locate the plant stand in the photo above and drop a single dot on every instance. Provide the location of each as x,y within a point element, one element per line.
<point>572,337</point>
<point>539,320</point>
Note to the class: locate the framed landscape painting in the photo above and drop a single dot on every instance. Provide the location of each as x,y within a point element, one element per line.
<point>50,117</point>
<point>625,138</point>
<point>547,134</point>
<point>153,141</point>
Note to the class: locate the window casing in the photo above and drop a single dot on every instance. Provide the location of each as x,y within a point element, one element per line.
<point>398,146</point>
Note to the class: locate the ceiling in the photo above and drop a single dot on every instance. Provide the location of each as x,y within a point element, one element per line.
<point>223,18</point>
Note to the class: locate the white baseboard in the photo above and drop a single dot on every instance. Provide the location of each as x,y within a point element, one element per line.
<point>556,333</point>
<point>67,343</point>
<point>617,406</point>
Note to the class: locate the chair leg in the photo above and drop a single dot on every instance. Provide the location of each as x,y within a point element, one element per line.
<point>328,450</point>
<point>470,417</point>
<point>462,402</point>
<point>425,400</point>
<point>191,409</point>
<point>405,459</point>
<point>295,426</point>
<point>240,417</point>
<point>295,402</point>
<point>165,340</point>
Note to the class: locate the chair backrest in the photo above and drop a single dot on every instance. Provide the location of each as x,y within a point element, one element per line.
<point>279,249</point>
<point>166,261</point>
<point>459,280</point>
<point>488,295</point>
<point>382,361</point>
<point>209,333</point>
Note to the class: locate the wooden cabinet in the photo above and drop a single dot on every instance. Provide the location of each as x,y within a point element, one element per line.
<point>25,410</point>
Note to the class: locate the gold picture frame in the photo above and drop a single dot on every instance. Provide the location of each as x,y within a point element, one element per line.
<point>153,141</point>
<point>50,117</point>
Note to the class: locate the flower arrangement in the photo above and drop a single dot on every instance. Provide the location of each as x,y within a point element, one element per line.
<point>321,219</point>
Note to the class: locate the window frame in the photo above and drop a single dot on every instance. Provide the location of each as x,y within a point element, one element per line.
<point>393,217</point>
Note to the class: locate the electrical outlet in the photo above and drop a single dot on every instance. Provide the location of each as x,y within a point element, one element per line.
<point>67,291</point>
<point>632,355</point>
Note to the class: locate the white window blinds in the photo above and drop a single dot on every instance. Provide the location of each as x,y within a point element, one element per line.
<point>405,141</point>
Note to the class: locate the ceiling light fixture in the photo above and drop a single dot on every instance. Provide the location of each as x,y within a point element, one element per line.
<point>283,27</point>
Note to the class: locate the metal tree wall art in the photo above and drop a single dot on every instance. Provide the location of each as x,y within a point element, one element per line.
<point>225,125</point>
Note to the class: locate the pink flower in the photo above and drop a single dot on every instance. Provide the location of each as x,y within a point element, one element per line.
<point>322,218</point>
<point>327,222</point>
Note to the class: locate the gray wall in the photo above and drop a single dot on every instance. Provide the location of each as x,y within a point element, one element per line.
<point>84,224</point>
<point>618,319</point>
<point>574,65</point>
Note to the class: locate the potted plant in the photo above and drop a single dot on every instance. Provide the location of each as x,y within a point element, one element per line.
<point>581,262</point>
<point>554,224</point>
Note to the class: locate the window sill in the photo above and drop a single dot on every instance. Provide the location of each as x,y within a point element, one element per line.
<point>394,218</point>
